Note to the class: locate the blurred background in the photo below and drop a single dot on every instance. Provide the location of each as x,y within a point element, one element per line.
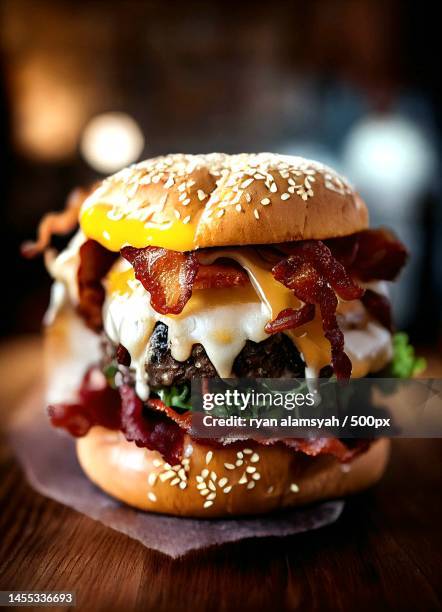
<point>88,87</point>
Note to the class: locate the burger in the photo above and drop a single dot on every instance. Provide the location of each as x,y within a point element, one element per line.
<point>210,266</point>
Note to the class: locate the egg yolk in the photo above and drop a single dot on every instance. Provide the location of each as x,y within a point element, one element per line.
<point>115,233</point>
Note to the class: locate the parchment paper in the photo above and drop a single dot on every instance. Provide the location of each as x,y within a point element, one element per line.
<point>49,461</point>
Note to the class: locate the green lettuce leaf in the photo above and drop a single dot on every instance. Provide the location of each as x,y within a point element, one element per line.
<point>177,396</point>
<point>405,363</point>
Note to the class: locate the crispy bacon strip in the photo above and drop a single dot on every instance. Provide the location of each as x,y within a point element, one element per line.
<point>220,276</point>
<point>289,319</point>
<point>318,255</point>
<point>95,262</point>
<point>56,223</point>
<point>298,272</point>
<point>158,427</point>
<point>150,428</point>
<point>167,275</point>
<point>97,404</point>
<point>379,307</point>
<point>374,254</point>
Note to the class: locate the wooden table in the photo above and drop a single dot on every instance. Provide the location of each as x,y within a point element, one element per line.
<point>384,553</point>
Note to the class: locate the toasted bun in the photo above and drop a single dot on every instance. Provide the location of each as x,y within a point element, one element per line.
<point>235,199</point>
<point>202,486</point>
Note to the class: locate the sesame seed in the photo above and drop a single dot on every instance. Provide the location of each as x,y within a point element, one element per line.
<point>256,476</point>
<point>238,207</point>
<point>227,489</point>
<point>204,492</point>
<point>247,451</point>
<point>169,183</point>
<point>211,496</point>
<point>229,466</point>
<point>182,187</point>
<point>205,473</point>
<point>240,455</point>
<point>273,188</point>
<point>182,485</point>
<point>265,201</point>
<point>157,462</point>
<point>152,478</point>
<point>201,485</point>
<point>186,202</point>
<point>211,485</point>
<point>248,197</point>
<point>270,489</point>
<point>285,196</point>
<point>166,475</point>
<point>294,488</point>
<point>176,467</point>
<point>207,504</point>
<point>256,213</point>
<point>239,462</point>
<point>199,479</point>
<point>259,176</point>
<point>223,481</point>
<point>246,183</point>
<point>209,456</point>
<point>220,213</point>
<point>251,484</point>
<point>243,479</point>
<point>186,219</point>
<point>213,476</point>
<point>182,197</point>
<point>177,214</point>
<point>174,482</point>
<point>254,458</point>
<point>182,474</point>
<point>250,469</point>
<point>152,496</point>
<point>201,195</point>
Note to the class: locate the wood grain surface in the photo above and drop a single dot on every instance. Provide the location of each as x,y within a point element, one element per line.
<point>385,552</point>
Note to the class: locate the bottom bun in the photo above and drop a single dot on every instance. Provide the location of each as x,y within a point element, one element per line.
<point>214,482</point>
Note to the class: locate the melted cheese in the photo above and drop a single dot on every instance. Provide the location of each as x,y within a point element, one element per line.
<point>222,320</point>
<point>114,232</point>
<point>64,269</point>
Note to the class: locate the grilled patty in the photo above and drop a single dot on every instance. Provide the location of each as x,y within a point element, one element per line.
<point>272,358</point>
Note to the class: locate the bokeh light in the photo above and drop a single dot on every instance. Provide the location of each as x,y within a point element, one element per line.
<point>111,141</point>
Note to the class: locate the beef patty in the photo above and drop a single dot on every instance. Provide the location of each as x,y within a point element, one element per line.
<point>274,357</point>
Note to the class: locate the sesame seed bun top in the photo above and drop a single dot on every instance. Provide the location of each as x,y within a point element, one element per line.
<point>220,200</point>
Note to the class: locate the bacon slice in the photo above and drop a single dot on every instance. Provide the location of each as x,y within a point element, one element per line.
<point>97,404</point>
<point>289,319</point>
<point>374,254</point>
<point>379,307</point>
<point>95,262</point>
<point>150,429</point>
<point>155,426</point>
<point>220,276</point>
<point>318,255</point>
<point>56,223</point>
<point>314,275</point>
<point>343,451</point>
<point>167,275</point>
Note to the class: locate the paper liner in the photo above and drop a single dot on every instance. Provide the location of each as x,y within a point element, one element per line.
<point>49,461</point>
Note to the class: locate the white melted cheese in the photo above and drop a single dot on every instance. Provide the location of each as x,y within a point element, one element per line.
<point>222,327</point>
<point>222,320</point>
<point>64,270</point>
